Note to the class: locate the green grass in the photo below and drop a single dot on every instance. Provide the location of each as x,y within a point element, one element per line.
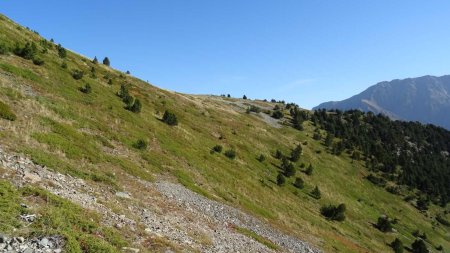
<point>56,216</point>
<point>72,133</point>
<point>10,208</point>
<point>257,237</point>
<point>6,113</point>
<point>24,73</point>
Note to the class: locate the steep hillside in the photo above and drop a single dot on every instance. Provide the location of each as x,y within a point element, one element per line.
<point>425,99</point>
<point>106,172</point>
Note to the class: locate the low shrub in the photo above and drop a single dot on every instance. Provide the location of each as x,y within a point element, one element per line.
<point>332,212</point>
<point>140,144</point>
<point>231,153</point>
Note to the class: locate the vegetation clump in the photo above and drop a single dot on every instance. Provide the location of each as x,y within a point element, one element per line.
<point>281,180</point>
<point>332,212</point>
<point>419,246</point>
<point>77,74</point>
<point>140,144</point>
<point>38,61</point>
<point>3,49</point>
<point>315,193</point>
<point>309,170</point>
<point>230,153</point>
<point>86,89</point>
<point>6,113</point>
<point>217,148</point>
<point>61,51</point>
<point>295,154</point>
<point>397,246</point>
<point>384,224</point>
<point>299,183</point>
<point>261,158</point>
<point>28,51</point>
<point>170,118</point>
<point>106,61</point>
<point>277,114</point>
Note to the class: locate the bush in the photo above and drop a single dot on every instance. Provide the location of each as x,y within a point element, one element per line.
<point>278,154</point>
<point>332,212</point>
<point>77,74</point>
<point>422,203</point>
<point>316,193</point>
<point>64,65</point>
<point>140,144</point>
<point>231,153</point>
<point>95,60</point>
<point>280,179</point>
<point>376,180</point>
<point>6,113</point>
<point>254,108</point>
<point>170,118</point>
<point>3,49</point>
<point>244,97</point>
<point>27,52</point>
<point>261,158</point>
<point>86,88</point>
<point>217,148</point>
<point>38,61</point>
<point>384,224</point>
<point>397,246</point>
<point>442,220</point>
<point>418,246</point>
<point>136,107</point>
<point>299,183</point>
<point>277,115</point>
<point>309,170</point>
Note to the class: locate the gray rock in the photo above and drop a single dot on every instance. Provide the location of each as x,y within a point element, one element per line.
<point>44,242</point>
<point>125,195</point>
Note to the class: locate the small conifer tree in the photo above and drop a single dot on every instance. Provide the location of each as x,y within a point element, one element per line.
<point>106,61</point>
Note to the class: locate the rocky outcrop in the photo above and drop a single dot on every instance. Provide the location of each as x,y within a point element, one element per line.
<point>182,217</point>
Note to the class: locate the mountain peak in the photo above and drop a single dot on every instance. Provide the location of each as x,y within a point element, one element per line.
<point>425,99</point>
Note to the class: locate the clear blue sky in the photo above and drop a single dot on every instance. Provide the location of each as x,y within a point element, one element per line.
<point>306,52</point>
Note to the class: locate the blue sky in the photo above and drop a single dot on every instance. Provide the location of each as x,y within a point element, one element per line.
<point>305,52</point>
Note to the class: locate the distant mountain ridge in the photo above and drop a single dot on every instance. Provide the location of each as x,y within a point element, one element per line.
<point>425,99</point>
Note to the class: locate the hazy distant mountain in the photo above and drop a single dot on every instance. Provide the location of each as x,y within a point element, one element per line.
<point>425,99</point>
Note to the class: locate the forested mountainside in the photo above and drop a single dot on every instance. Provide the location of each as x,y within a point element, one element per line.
<point>425,99</point>
<point>93,159</point>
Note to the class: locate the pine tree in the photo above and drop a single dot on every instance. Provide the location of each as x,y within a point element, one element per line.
<point>295,154</point>
<point>316,193</point>
<point>244,97</point>
<point>61,51</point>
<point>397,246</point>
<point>261,158</point>
<point>418,246</point>
<point>170,118</point>
<point>95,61</point>
<point>309,170</point>
<point>136,107</point>
<point>299,183</point>
<point>280,179</point>
<point>106,61</point>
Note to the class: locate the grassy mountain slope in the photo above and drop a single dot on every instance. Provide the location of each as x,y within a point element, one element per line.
<point>92,136</point>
